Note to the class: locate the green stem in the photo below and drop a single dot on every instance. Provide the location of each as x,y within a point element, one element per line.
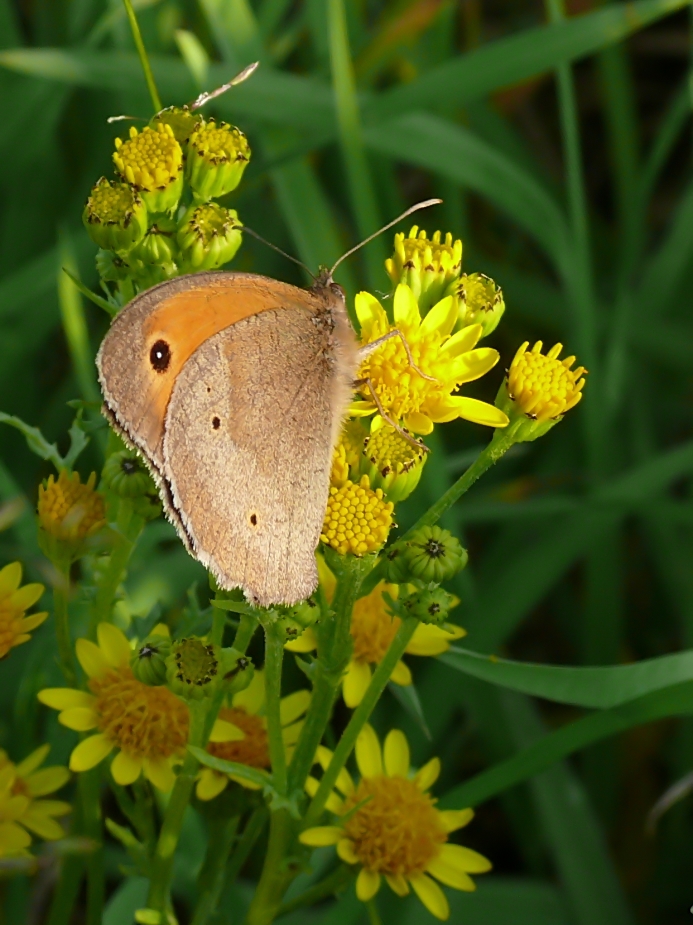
<point>162,863</point>
<point>332,884</point>
<point>211,879</point>
<point>246,629</point>
<point>250,835</point>
<point>276,873</point>
<point>65,895</point>
<point>373,914</point>
<point>219,619</point>
<point>144,60</point>
<point>274,656</point>
<point>89,785</point>
<point>359,718</point>
<point>334,650</point>
<point>128,529</point>
<point>61,593</point>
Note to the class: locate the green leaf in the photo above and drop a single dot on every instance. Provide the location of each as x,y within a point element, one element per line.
<point>252,775</point>
<point>36,442</point>
<point>112,310</point>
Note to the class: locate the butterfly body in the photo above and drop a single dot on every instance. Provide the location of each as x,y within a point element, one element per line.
<point>233,387</point>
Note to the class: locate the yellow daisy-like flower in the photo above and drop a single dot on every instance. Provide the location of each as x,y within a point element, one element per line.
<point>373,628</point>
<point>449,359</point>
<point>428,266</point>
<point>397,833</point>
<point>246,713</point>
<point>357,519</point>
<point>543,386</point>
<point>21,808</point>
<point>68,510</point>
<point>150,159</point>
<point>147,726</point>
<point>15,628</point>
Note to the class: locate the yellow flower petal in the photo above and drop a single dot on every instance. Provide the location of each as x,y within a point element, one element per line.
<point>441,318</point>
<point>431,896</point>
<point>428,774</point>
<point>405,309</point>
<point>344,783</point>
<point>450,876</point>
<point>356,681</point>
<point>126,768</point>
<point>321,835</point>
<point>397,884</point>
<point>460,858</point>
<point>114,645</point>
<point>293,706</point>
<point>291,733</point>
<point>82,719</point>
<point>32,761</point>
<point>460,343</point>
<point>471,409</point>
<point>253,697</point>
<point>210,784</point>
<point>345,850</point>
<point>333,803</point>
<point>367,884</point>
<point>91,658</point>
<point>361,409</point>
<point>419,423</point>
<point>65,698</point>
<point>453,819</point>
<point>90,752</point>
<point>160,773</point>
<point>306,642</point>
<point>368,755</point>
<point>26,597</point>
<point>13,837</point>
<point>430,640</point>
<point>401,675</point>
<point>47,781</point>
<point>396,754</point>
<point>474,364</point>
<point>54,807</point>
<point>369,311</point>
<point>224,731</point>
<point>10,578</point>
<point>41,824</point>
<point>36,619</point>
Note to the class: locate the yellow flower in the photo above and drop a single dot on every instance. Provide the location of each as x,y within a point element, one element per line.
<point>428,267</point>
<point>246,713</point>
<point>15,628</point>
<point>152,160</point>
<point>357,519</point>
<point>147,726</point>
<point>21,809</point>
<point>347,453</point>
<point>392,463</point>
<point>544,387</point>
<point>451,361</point>
<point>397,833</point>
<point>373,628</point>
<point>68,510</point>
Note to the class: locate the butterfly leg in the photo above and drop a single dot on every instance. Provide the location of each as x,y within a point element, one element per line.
<point>366,351</point>
<point>419,444</point>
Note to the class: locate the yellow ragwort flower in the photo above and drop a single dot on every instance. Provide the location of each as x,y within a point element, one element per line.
<point>449,359</point>
<point>392,463</point>
<point>347,453</point>
<point>357,519</point>
<point>68,510</point>
<point>542,386</point>
<point>428,267</point>
<point>15,628</point>
<point>21,808</point>
<point>150,159</point>
<point>246,712</point>
<point>373,628</point>
<point>147,726</point>
<point>396,832</point>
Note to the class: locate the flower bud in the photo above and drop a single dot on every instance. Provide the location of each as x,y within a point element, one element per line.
<point>181,120</point>
<point>430,554</point>
<point>429,604</point>
<point>192,668</point>
<point>125,474</point>
<point>236,670</point>
<point>115,215</point>
<point>208,237</point>
<point>69,513</point>
<point>428,267</point>
<point>149,661</point>
<point>480,302</point>
<point>392,463</point>
<point>218,154</point>
<point>116,268</point>
<point>357,520</point>
<point>295,620</point>
<point>158,246</point>
<point>152,161</point>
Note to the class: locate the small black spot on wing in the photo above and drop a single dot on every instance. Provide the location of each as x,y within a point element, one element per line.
<point>160,356</point>
<point>216,423</point>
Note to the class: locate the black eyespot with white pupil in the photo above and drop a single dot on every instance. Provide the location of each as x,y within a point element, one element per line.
<point>160,356</point>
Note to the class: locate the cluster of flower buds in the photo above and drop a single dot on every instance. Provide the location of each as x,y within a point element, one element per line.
<point>156,219</point>
<point>125,476</point>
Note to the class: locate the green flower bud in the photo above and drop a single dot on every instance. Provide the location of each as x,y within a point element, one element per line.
<point>192,668</point>
<point>116,268</point>
<point>152,161</point>
<point>392,463</point>
<point>115,215</point>
<point>428,267</point>
<point>125,475</point>
<point>480,302</point>
<point>295,620</point>
<point>429,604</point>
<point>158,246</point>
<point>149,661</point>
<point>396,564</point>
<point>236,670</point>
<point>208,237</point>
<point>434,554</point>
<point>181,120</point>
<point>217,156</point>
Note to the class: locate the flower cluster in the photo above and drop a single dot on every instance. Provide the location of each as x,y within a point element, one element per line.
<point>15,627</point>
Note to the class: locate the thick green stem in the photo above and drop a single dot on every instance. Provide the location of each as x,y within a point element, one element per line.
<point>89,786</point>
<point>109,579</point>
<point>274,657</point>
<point>144,60</point>
<point>211,879</point>
<point>359,718</point>
<point>162,863</point>
<point>332,884</point>
<point>219,619</point>
<point>276,873</point>
<point>61,593</point>
<point>245,632</point>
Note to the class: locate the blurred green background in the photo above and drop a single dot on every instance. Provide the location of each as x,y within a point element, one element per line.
<point>559,140</point>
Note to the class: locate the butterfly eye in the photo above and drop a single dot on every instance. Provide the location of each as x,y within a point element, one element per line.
<point>160,356</point>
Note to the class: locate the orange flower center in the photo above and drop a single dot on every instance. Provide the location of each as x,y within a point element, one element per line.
<point>253,750</point>
<point>372,627</point>
<point>398,830</point>
<point>147,721</point>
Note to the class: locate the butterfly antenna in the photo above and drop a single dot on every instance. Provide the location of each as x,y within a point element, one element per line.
<point>213,94</point>
<point>279,250</point>
<point>111,119</point>
<point>419,205</point>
